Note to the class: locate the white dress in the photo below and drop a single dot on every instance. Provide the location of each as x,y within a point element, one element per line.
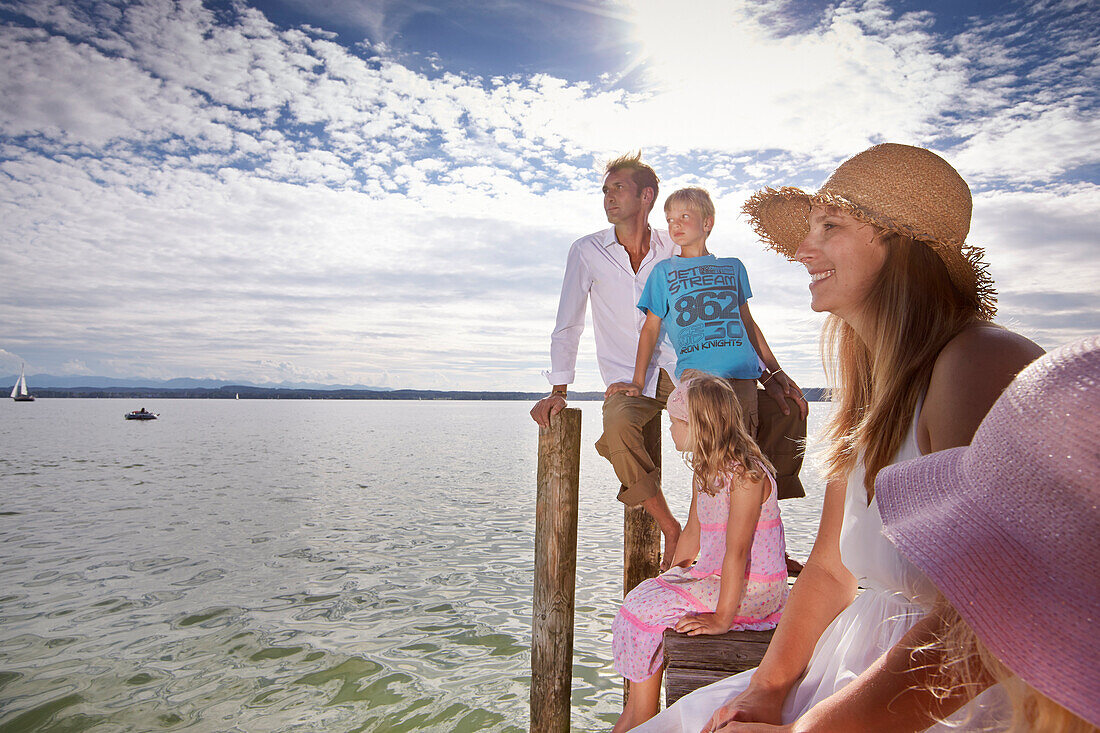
<point>895,596</point>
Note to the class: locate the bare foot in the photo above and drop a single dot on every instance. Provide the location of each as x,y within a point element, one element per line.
<point>671,538</point>
<point>625,721</point>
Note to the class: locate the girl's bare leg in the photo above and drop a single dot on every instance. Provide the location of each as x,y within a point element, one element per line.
<point>642,703</point>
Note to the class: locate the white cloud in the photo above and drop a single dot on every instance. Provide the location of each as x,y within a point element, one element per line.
<point>9,362</point>
<point>75,366</point>
<point>1028,144</point>
<point>274,199</point>
<point>1041,249</point>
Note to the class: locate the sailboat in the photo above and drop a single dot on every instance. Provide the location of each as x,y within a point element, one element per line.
<point>19,391</point>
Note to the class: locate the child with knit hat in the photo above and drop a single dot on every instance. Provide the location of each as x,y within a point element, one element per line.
<point>733,528</point>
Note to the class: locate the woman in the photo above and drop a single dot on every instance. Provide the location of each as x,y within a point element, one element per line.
<point>915,364</point>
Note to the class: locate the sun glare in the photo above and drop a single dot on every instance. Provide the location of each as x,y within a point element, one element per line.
<point>689,46</point>
<point>718,72</point>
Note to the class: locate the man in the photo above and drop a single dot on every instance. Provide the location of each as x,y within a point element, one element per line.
<point>611,268</point>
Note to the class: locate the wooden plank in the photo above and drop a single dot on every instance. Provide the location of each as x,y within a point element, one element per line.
<point>556,506</point>
<point>694,661</point>
<point>729,651</point>
<point>679,682</point>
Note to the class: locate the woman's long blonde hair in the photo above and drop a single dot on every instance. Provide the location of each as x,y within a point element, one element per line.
<point>965,666</point>
<point>720,440</point>
<point>914,310</point>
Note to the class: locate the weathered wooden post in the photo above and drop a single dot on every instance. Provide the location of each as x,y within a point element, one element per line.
<point>641,535</point>
<point>556,507</point>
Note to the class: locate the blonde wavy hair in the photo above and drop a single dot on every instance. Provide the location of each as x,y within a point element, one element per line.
<point>915,311</point>
<point>966,667</point>
<point>718,434</point>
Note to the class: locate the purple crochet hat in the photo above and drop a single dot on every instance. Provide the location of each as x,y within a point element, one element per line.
<point>1008,527</point>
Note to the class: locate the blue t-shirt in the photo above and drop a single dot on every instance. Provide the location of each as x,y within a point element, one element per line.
<point>698,300</point>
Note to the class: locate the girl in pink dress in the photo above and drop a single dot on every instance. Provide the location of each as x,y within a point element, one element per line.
<point>740,579</point>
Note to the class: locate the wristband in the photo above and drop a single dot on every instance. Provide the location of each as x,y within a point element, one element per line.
<point>559,392</point>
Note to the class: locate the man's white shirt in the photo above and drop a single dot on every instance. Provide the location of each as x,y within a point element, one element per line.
<point>598,269</point>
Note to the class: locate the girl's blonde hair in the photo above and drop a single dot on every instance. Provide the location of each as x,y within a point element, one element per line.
<point>965,665</point>
<point>914,311</point>
<point>718,433</point>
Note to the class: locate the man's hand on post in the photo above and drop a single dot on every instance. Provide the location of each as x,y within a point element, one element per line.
<point>546,407</point>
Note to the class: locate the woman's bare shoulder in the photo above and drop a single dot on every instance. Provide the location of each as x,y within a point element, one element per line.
<point>990,345</point>
<point>969,375</point>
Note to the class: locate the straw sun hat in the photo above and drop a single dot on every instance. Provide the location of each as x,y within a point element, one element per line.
<point>898,188</point>
<point>1007,527</point>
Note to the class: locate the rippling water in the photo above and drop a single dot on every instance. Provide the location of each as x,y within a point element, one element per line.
<point>294,565</point>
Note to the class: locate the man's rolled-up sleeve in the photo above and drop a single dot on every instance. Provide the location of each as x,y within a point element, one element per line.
<point>569,326</point>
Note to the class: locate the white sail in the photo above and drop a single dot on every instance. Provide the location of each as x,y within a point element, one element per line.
<point>20,388</point>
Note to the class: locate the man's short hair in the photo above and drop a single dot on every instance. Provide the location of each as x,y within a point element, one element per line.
<point>696,199</point>
<point>642,175</point>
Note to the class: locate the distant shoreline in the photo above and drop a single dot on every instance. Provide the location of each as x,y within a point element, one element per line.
<point>813,394</point>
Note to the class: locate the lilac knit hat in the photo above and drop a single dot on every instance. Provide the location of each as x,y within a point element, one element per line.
<point>1008,527</point>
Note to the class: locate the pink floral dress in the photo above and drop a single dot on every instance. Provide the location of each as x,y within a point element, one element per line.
<point>658,603</point>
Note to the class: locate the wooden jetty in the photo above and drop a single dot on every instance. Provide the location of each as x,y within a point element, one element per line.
<point>691,661</point>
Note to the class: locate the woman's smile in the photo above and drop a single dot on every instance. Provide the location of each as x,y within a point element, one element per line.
<point>843,256</point>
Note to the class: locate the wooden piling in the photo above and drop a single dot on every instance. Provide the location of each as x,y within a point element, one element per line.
<point>556,507</point>
<point>641,535</point>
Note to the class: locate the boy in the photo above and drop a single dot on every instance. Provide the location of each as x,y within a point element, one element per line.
<point>702,302</point>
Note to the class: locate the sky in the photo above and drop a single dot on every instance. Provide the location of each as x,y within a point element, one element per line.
<point>383,193</point>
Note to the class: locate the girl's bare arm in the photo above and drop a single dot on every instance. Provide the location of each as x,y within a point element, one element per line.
<point>745,498</point>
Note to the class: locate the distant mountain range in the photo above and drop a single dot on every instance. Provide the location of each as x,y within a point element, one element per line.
<point>48,381</point>
<point>46,385</point>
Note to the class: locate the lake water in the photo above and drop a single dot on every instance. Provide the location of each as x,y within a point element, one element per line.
<point>296,565</point>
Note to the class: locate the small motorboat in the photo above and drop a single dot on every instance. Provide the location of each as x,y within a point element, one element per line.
<point>141,414</point>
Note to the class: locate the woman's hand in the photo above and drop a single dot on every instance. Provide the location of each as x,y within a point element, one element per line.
<point>751,706</point>
<point>696,624</point>
<point>629,388</point>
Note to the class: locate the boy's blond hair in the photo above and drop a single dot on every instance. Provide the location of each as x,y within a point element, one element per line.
<point>694,198</point>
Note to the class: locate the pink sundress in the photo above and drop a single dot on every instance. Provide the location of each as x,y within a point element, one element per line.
<point>658,603</point>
